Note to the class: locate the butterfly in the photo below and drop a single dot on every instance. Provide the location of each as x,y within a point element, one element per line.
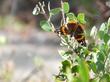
<point>75,29</point>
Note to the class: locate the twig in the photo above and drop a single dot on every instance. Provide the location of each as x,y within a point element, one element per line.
<point>39,9</point>
<point>48,6</point>
<point>63,14</point>
<point>49,11</point>
<point>42,7</point>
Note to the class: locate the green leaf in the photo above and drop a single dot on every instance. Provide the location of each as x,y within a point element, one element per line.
<point>103,48</point>
<point>101,34</point>
<point>69,52</point>
<point>66,7</point>
<point>102,27</point>
<point>85,51</point>
<point>75,69</point>
<point>83,70</point>
<point>71,16</point>
<point>101,56</point>
<point>105,78</point>
<point>81,18</point>
<point>45,25</point>
<point>55,11</point>
<point>106,37</point>
<point>100,66</point>
<point>93,67</point>
<point>65,66</point>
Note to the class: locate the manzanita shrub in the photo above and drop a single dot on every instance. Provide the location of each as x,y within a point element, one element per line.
<point>90,63</point>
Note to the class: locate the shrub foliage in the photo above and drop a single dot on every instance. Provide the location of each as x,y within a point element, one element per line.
<point>79,63</point>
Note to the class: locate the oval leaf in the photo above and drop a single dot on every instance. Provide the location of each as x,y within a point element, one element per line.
<point>106,37</point>
<point>100,66</point>
<point>75,69</point>
<point>101,34</point>
<point>45,25</point>
<point>71,16</point>
<point>93,67</point>
<point>55,11</point>
<point>65,66</point>
<point>103,27</point>
<point>81,18</point>
<point>66,7</point>
<point>83,70</point>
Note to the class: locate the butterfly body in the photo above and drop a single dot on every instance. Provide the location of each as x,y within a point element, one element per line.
<point>74,29</point>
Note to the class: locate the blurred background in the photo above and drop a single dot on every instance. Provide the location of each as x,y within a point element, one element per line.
<point>28,54</point>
